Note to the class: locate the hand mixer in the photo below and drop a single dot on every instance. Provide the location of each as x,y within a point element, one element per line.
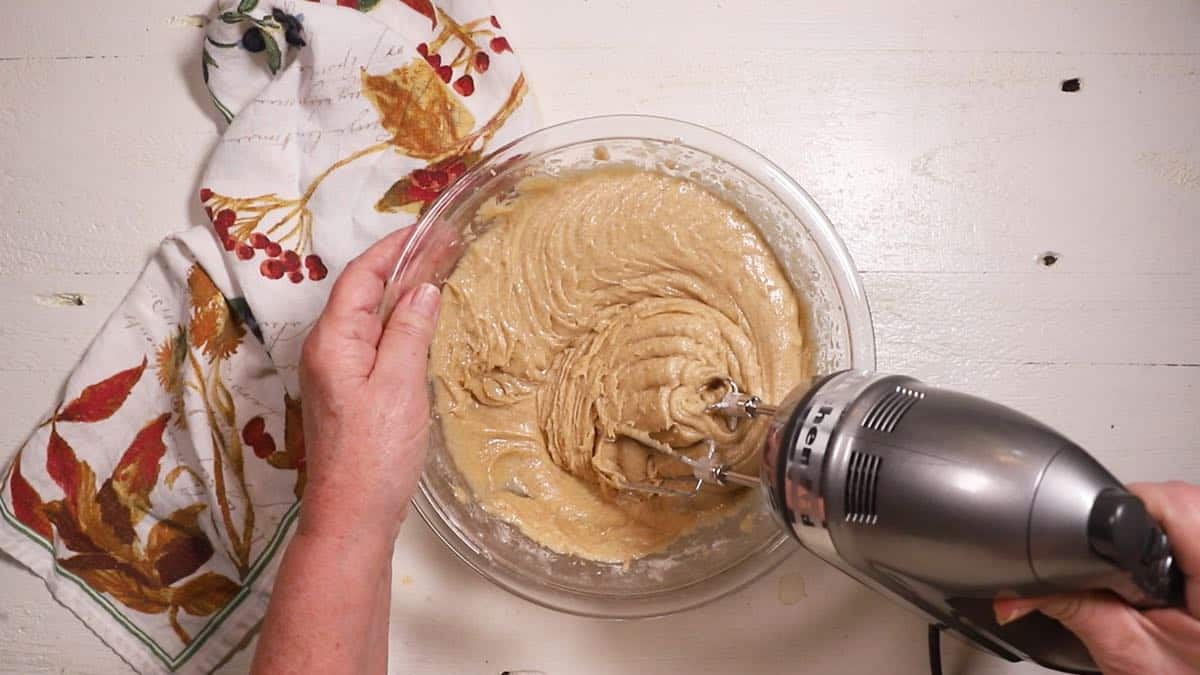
<point>943,501</point>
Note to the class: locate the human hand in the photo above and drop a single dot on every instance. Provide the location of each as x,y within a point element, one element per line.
<point>1123,640</point>
<point>365,402</point>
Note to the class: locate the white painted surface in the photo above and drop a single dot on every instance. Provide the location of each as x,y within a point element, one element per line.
<point>934,135</point>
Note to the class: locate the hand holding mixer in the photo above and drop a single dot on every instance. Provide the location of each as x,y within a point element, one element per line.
<point>943,501</point>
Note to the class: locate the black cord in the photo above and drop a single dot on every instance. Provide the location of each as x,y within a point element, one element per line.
<point>935,648</point>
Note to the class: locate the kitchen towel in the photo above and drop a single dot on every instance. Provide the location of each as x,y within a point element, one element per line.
<point>156,497</point>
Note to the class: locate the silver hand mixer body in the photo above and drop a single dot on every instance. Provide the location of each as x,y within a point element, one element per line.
<point>943,501</point>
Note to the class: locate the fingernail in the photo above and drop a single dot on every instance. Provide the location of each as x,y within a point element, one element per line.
<point>425,299</point>
<point>1013,614</point>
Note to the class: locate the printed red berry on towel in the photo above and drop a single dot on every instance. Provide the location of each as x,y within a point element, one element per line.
<point>465,85</point>
<point>271,269</point>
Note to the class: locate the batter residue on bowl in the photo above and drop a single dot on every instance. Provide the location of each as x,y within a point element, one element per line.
<point>582,327</point>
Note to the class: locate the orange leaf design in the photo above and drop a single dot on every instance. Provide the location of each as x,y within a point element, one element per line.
<point>177,547</point>
<point>99,401</point>
<point>424,7</point>
<point>292,456</point>
<point>205,594</point>
<point>27,503</point>
<point>168,361</point>
<point>425,118</point>
<point>293,436</point>
<point>213,328</point>
<point>122,581</point>
<point>67,526</point>
<point>137,471</point>
<point>86,562</point>
<point>115,513</point>
<point>90,518</point>
<point>63,466</point>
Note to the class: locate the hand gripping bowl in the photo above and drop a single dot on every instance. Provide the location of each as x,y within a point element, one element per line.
<point>710,562</point>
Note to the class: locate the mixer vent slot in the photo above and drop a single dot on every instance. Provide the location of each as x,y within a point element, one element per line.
<point>891,408</point>
<point>861,484</point>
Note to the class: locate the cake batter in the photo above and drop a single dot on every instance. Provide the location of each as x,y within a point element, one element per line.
<point>587,324</point>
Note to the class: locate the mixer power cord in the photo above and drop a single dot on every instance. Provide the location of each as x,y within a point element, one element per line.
<point>935,648</point>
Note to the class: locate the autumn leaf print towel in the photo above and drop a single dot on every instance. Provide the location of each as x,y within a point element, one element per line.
<point>155,498</point>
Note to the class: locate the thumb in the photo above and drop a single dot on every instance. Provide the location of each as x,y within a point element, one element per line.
<point>404,348</point>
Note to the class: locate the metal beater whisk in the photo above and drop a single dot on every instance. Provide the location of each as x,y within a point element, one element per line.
<point>734,406</point>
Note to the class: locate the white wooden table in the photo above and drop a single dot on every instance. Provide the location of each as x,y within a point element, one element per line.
<point>935,136</point>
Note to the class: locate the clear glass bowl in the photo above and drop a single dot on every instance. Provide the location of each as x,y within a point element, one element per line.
<point>712,561</point>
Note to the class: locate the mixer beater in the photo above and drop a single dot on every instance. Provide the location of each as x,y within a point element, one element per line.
<point>735,406</point>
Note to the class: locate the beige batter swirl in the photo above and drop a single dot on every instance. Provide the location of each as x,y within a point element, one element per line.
<point>582,327</point>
